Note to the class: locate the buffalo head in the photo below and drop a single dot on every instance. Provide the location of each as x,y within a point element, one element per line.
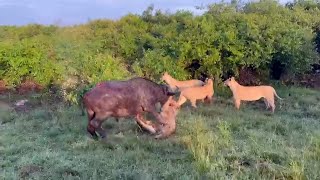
<point>167,90</point>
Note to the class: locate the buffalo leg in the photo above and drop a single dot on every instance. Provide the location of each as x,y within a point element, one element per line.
<point>101,131</point>
<point>91,129</point>
<point>97,122</point>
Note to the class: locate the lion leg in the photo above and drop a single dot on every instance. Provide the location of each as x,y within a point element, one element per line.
<point>145,124</point>
<point>272,105</point>
<point>182,100</point>
<point>237,103</point>
<point>139,119</point>
<point>193,103</point>
<point>164,133</point>
<point>209,99</point>
<point>97,121</point>
<point>160,136</point>
<point>266,103</point>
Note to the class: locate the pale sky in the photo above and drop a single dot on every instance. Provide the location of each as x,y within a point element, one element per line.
<point>69,12</point>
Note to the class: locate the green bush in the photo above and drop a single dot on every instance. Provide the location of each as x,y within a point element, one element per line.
<point>227,37</point>
<point>101,67</point>
<point>154,63</point>
<point>92,69</point>
<point>28,59</point>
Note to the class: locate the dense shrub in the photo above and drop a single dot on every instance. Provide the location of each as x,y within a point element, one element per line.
<point>101,67</point>
<point>28,59</point>
<point>89,70</point>
<point>266,37</point>
<point>154,63</point>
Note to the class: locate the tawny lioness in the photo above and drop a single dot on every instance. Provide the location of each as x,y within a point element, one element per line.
<point>197,93</point>
<point>168,115</point>
<point>251,93</point>
<point>173,83</point>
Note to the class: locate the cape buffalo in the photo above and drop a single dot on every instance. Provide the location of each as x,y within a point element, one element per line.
<point>122,99</point>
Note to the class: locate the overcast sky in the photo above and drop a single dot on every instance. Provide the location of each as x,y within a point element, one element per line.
<point>69,12</point>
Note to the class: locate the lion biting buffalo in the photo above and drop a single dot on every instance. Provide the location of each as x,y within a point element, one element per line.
<point>167,124</point>
<point>129,98</point>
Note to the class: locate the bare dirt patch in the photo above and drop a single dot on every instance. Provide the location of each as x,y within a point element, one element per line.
<point>3,87</point>
<point>26,171</point>
<point>29,86</point>
<point>24,103</point>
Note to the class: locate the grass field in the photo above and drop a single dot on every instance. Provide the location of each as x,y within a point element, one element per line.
<point>213,142</point>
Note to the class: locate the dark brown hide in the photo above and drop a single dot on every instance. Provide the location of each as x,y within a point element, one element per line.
<point>122,99</point>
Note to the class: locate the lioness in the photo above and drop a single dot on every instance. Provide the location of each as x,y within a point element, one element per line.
<point>251,93</point>
<point>197,93</point>
<point>168,120</point>
<point>173,83</point>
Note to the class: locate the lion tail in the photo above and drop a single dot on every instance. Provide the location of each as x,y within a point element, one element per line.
<point>275,93</point>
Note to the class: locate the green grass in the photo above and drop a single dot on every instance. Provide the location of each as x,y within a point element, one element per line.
<point>212,142</point>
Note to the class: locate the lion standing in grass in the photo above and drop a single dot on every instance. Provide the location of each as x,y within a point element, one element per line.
<point>173,83</point>
<point>197,93</point>
<point>251,93</point>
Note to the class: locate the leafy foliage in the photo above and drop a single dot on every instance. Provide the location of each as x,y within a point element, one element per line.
<point>28,59</point>
<point>227,37</point>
